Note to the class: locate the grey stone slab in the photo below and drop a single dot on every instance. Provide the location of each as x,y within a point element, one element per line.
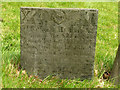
<point>57,41</point>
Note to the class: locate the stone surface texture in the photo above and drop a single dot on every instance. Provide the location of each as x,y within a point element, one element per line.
<point>58,41</point>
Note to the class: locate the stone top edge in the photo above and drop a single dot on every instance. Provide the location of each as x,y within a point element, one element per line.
<point>58,8</point>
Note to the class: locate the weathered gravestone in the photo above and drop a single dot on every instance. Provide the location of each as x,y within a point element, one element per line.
<point>58,41</point>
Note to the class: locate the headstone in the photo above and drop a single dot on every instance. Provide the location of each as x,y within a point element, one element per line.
<point>58,41</point>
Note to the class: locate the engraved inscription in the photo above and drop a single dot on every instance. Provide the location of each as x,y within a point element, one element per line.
<point>58,16</point>
<point>58,41</point>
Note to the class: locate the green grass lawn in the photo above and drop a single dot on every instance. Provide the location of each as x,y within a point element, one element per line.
<point>106,46</point>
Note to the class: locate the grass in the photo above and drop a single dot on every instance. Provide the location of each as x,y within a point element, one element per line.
<point>106,46</point>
